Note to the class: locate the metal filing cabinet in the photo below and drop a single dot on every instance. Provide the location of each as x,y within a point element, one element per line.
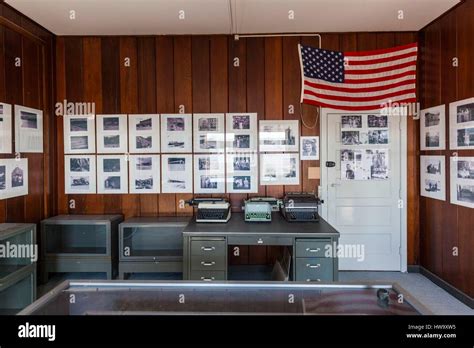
<point>17,267</point>
<point>80,244</point>
<point>151,245</point>
<point>311,264</point>
<point>208,259</point>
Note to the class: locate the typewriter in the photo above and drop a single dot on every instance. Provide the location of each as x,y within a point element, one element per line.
<point>300,207</point>
<point>259,209</point>
<point>211,209</point>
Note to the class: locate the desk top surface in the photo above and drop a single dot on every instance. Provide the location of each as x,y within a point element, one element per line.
<point>278,226</point>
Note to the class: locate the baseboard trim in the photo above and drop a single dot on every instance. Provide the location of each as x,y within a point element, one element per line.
<point>461,296</point>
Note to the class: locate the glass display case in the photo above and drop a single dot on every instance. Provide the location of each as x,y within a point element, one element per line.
<point>250,298</point>
<point>18,292</point>
<point>151,245</point>
<point>80,243</point>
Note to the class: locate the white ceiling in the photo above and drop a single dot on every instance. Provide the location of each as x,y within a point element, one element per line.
<point>157,17</point>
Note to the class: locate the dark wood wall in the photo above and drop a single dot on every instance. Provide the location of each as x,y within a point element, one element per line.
<point>29,85</point>
<point>198,72</point>
<point>444,226</point>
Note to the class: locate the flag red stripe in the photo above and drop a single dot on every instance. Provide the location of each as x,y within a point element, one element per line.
<point>380,79</point>
<point>381,51</point>
<point>381,60</point>
<point>353,108</point>
<point>359,90</point>
<point>348,71</point>
<point>360,99</point>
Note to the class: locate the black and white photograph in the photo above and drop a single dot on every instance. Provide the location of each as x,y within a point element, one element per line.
<point>80,164</point>
<point>465,137</point>
<point>240,122</point>
<point>3,177</point>
<point>241,132</point>
<point>347,155</point>
<point>309,148</point>
<point>277,136</point>
<point>432,128</point>
<point>111,123</point>
<point>176,173</point>
<point>79,142</point>
<point>112,130</point>
<point>461,125</point>
<point>242,163</point>
<point>29,120</point>
<point>79,134</point>
<point>242,173</point>
<point>176,133</point>
<point>377,121</point>
<point>242,141</point>
<point>465,193</point>
<point>28,130</point>
<point>379,163</point>
<point>143,142</point>
<point>351,121</point>
<point>465,113</point>
<point>144,134</point>
<point>433,177</point>
<point>352,165</point>
<point>209,133</point>
<point>5,128</point>
<point>111,141</point>
<point>79,174</point>
<point>112,174</point>
<point>145,174</point>
<point>378,136</point>
<point>17,176</point>
<point>351,138</point>
<point>209,173</point>
<point>111,165</point>
<point>78,124</point>
<point>242,182</point>
<point>208,124</point>
<point>465,169</point>
<point>279,169</point>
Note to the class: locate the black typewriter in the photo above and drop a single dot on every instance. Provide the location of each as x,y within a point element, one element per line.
<point>211,209</point>
<point>300,207</point>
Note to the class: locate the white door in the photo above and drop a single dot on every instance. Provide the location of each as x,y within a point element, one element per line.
<point>364,191</point>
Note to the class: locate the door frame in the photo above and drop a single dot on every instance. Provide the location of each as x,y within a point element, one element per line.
<point>323,188</point>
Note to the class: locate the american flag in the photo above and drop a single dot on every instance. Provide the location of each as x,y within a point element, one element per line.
<point>357,81</point>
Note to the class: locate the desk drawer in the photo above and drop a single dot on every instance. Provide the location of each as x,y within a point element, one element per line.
<point>208,247</point>
<point>254,240</point>
<point>208,263</point>
<point>311,248</point>
<point>314,269</point>
<point>208,276</point>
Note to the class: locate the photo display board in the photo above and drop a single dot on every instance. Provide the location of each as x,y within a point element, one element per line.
<point>79,134</point>
<point>5,128</point>
<point>13,178</point>
<point>433,177</point>
<point>28,130</point>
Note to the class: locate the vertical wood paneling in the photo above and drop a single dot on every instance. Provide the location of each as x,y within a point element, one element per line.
<point>3,97</point>
<point>183,95</point>
<point>219,74</point>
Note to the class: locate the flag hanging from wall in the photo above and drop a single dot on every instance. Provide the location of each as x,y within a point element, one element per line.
<point>357,81</point>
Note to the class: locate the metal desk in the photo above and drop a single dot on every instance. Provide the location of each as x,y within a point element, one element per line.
<point>206,244</point>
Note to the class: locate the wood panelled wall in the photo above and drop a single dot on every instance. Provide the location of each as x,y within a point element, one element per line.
<point>199,73</point>
<point>445,226</point>
<point>28,85</point>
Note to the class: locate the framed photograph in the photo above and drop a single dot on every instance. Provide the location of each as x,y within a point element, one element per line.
<point>209,133</point>
<point>112,134</point>
<point>13,178</point>
<point>309,148</point>
<point>176,173</point>
<point>79,134</point>
<point>112,174</point>
<point>145,173</point>
<point>80,174</point>
<point>28,130</point>
<point>462,181</point>
<point>241,132</point>
<point>433,128</point>
<point>461,124</point>
<point>144,133</point>
<point>365,164</point>
<point>209,173</point>
<point>280,169</point>
<point>176,133</point>
<point>5,128</point>
<point>278,136</point>
<point>242,173</point>
<point>433,177</point>
<point>377,121</point>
